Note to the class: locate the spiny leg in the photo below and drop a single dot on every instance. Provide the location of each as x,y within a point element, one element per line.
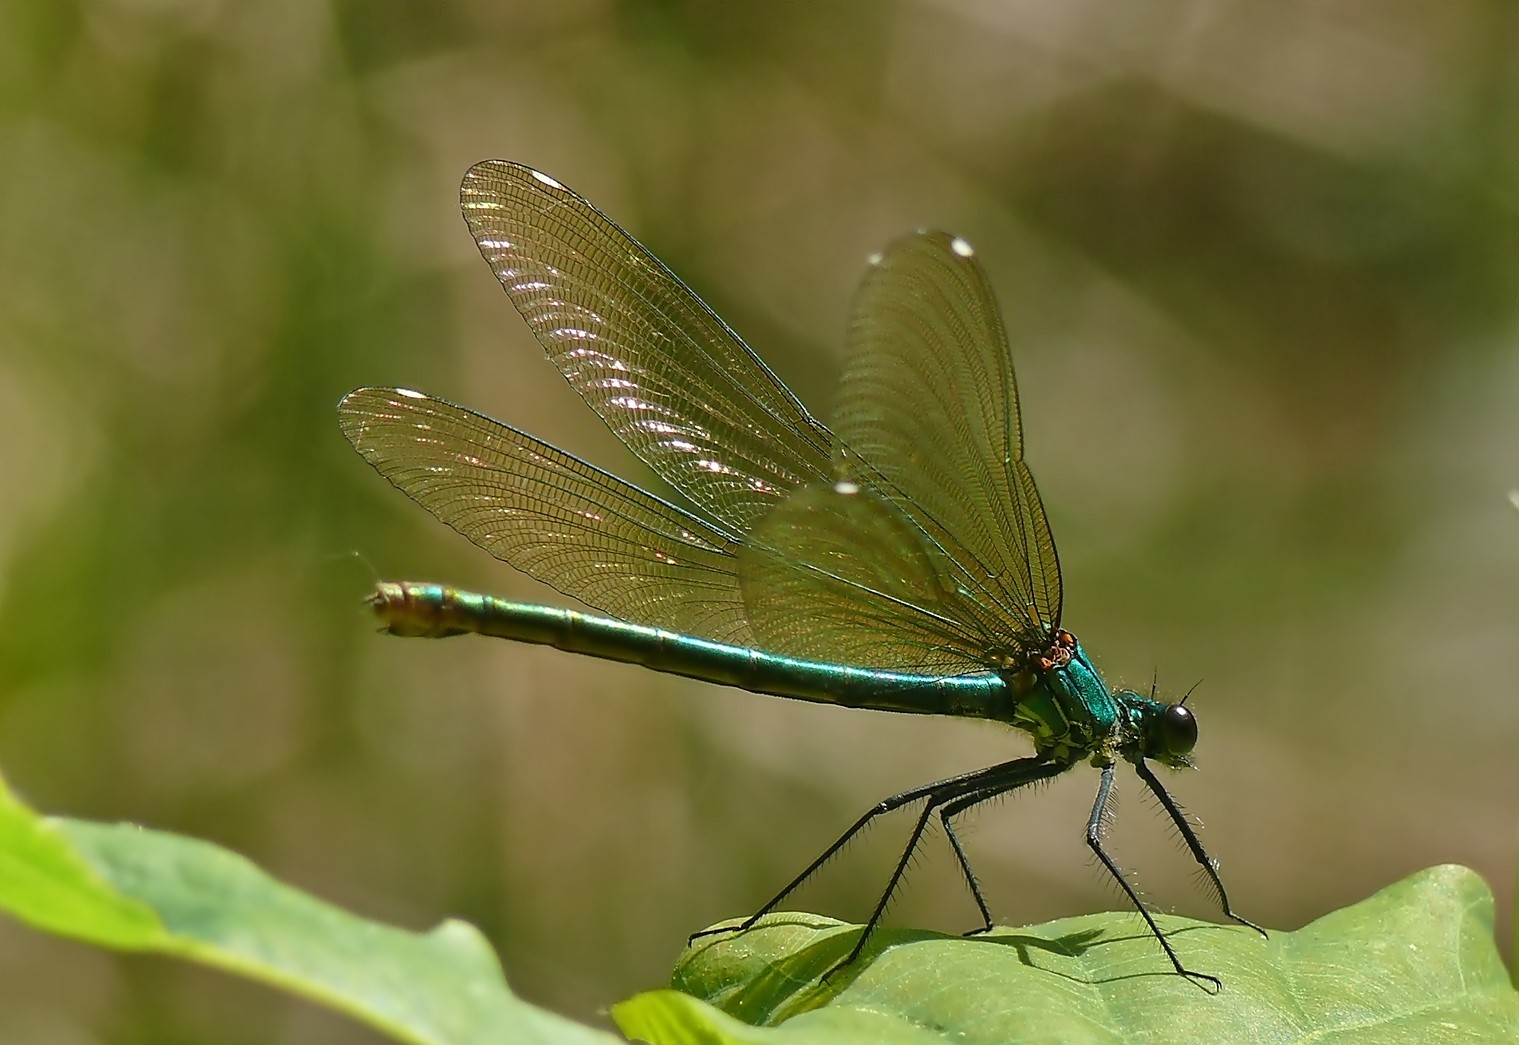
<point>1037,770</point>
<point>954,786</point>
<point>891,886</point>
<point>1193,842</point>
<point>968,790</point>
<point>1095,824</point>
<point>945,816</point>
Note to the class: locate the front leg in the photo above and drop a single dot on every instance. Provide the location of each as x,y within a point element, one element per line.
<point>1189,836</point>
<point>1096,823</point>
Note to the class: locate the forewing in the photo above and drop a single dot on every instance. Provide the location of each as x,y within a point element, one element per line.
<point>928,411</point>
<point>551,515</point>
<point>669,377</point>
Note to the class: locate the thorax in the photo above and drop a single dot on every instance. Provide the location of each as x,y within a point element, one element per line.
<point>1064,704</point>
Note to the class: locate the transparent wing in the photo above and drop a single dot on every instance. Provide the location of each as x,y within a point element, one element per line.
<point>936,558</point>
<point>669,378</point>
<point>929,405</point>
<point>839,573</point>
<point>551,515</point>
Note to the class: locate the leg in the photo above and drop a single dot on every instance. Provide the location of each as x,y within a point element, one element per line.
<point>1189,836</point>
<point>946,816</point>
<point>891,887</point>
<point>1095,824</point>
<point>950,788</point>
<point>969,790</point>
<point>953,809</point>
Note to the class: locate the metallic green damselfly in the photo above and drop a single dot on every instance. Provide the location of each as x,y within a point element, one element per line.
<point>897,561</point>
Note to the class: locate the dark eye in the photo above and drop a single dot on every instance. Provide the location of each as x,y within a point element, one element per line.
<point>1178,730</point>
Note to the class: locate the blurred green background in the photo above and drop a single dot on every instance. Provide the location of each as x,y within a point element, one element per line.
<point>1260,264</point>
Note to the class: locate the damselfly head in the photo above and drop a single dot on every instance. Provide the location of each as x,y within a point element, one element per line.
<point>1167,731</point>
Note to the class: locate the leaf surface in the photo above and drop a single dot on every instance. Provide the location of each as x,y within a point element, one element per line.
<point>1415,963</point>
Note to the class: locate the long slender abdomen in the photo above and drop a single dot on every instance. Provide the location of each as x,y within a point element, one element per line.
<point>423,610</point>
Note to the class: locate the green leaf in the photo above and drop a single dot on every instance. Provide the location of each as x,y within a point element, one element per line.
<point>133,889</point>
<point>1415,963</point>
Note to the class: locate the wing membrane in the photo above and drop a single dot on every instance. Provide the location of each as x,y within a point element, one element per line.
<point>669,378</point>
<point>839,573</point>
<point>553,516</point>
<point>929,404</point>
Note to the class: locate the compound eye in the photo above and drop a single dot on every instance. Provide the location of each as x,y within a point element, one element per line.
<point>1178,730</point>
